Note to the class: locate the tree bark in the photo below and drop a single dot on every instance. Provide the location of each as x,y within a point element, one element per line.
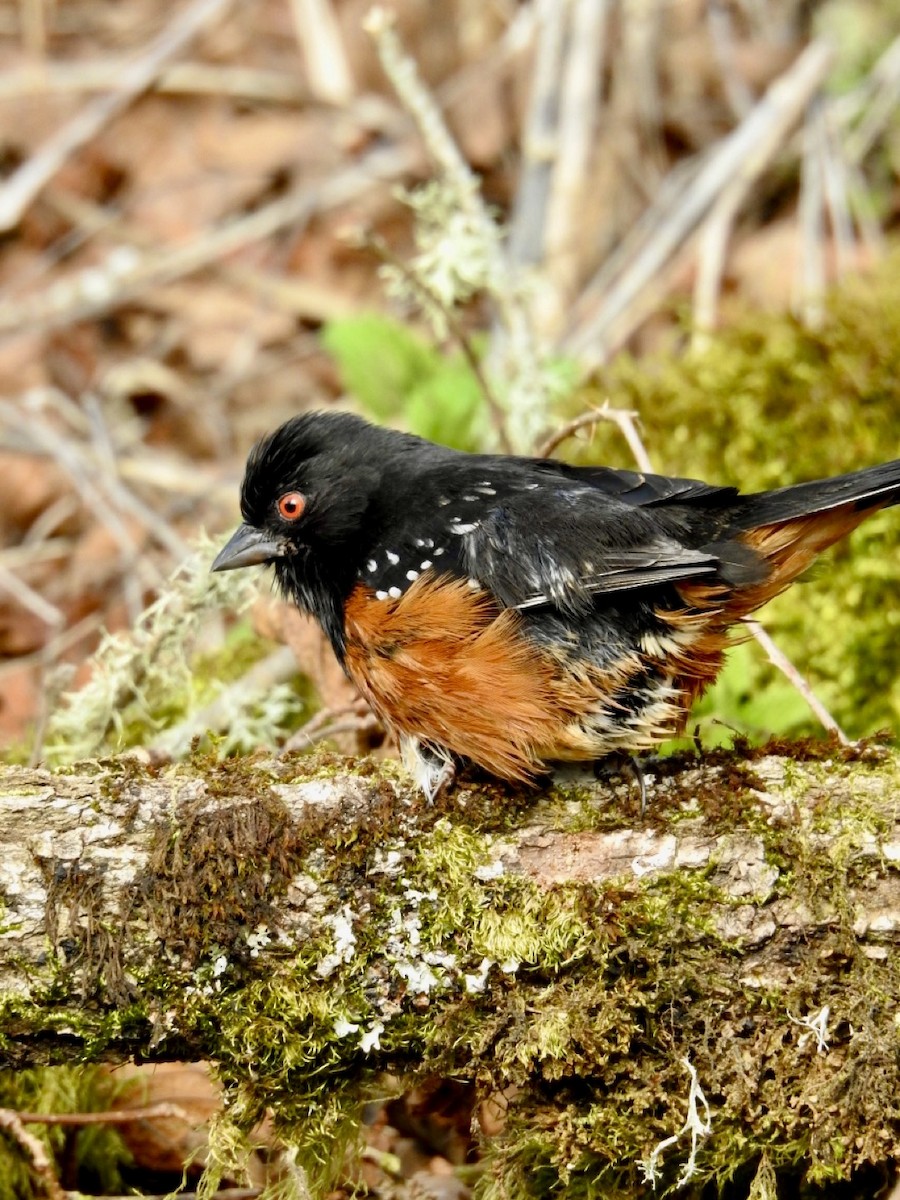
<point>552,945</point>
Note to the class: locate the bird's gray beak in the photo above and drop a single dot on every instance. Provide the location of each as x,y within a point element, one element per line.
<point>247,547</point>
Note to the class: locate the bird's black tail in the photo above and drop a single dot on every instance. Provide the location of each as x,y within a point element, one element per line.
<point>859,492</point>
<point>788,529</point>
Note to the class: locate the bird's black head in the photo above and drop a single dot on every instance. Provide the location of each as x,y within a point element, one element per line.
<point>306,500</point>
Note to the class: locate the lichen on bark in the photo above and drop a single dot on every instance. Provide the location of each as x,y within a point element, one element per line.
<point>311,925</point>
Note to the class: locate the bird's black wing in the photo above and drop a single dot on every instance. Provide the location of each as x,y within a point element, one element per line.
<point>639,488</point>
<point>563,543</point>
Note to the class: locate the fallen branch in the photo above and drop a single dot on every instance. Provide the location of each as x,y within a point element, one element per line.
<point>309,924</point>
<point>34,1151</point>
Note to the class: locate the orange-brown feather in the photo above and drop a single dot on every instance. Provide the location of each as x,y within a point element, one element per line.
<point>789,548</point>
<point>443,663</point>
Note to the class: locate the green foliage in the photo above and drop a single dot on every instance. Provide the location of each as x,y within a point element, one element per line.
<point>399,379</point>
<point>99,1152</point>
<point>749,700</point>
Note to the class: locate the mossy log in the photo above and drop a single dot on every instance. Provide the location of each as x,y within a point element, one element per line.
<point>313,926</point>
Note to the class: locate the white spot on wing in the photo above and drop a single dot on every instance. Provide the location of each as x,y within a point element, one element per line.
<point>461,529</point>
<point>381,595</point>
<point>426,563</point>
<point>470,499</point>
<point>486,489</point>
<point>443,501</point>
<point>394,593</point>
<point>393,558</point>
<point>371,566</point>
<point>411,575</point>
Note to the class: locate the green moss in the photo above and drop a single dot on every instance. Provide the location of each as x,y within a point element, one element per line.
<point>96,1153</point>
<point>596,989</point>
<point>580,1002</point>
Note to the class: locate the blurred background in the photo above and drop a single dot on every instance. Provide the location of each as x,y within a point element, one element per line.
<point>481,220</point>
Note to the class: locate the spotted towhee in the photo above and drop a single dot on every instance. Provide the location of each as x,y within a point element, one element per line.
<point>513,611</point>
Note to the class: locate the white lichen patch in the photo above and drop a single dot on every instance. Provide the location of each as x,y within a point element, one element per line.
<point>386,861</point>
<point>258,939</point>
<point>371,1039</point>
<point>343,1027</point>
<point>423,970</point>
<point>660,858</point>
<point>695,1125</point>
<point>418,975</point>
<point>477,980</point>
<point>492,870</point>
<point>341,924</point>
<point>815,1026</point>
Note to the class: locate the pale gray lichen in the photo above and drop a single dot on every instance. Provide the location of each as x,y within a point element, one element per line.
<point>145,679</point>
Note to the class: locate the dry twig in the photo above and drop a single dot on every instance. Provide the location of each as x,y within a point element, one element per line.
<point>527,224</point>
<point>495,409</point>
<point>319,35</point>
<point>624,418</point>
<point>113,1116</point>
<point>55,648</point>
<point>329,722</point>
<point>579,103</point>
<point>22,186</point>
<point>779,659</point>
<point>837,198</point>
<point>513,340</point>
<point>876,100</point>
<point>34,1151</point>
<point>236,1193</point>
<point>594,334</point>
<point>128,272</point>
<point>178,79</point>
<point>810,286</point>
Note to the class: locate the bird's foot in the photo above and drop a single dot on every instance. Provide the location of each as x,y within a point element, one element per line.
<point>432,768</point>
<point>621,763</point>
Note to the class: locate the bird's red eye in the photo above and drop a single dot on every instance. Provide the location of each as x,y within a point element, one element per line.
<point>291,505</point>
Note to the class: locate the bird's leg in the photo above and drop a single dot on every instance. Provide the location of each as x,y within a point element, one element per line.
<point>622,763</point>
<point>432,767</point>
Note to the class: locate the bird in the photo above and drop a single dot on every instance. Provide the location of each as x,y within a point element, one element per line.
<point>518,612</point>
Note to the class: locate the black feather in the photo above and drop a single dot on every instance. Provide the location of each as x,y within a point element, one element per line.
<point>382,507</point>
